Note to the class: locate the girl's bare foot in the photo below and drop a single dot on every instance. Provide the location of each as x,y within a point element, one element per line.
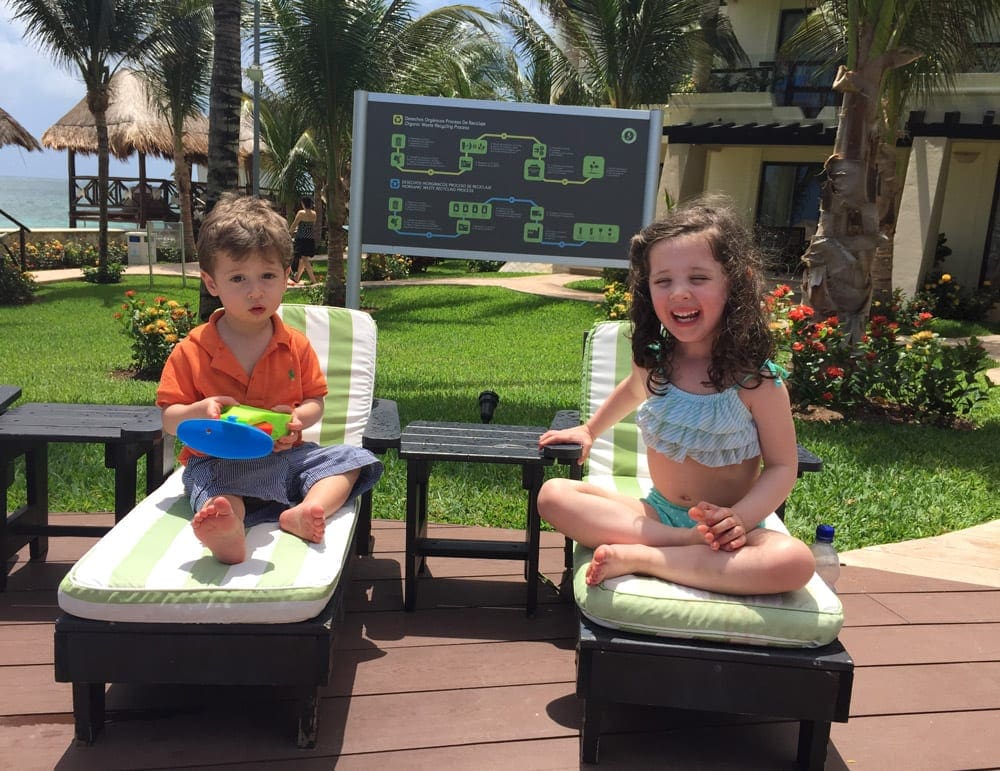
<point>307,521</point>
<point>609,562</point>
<point>219,528</point>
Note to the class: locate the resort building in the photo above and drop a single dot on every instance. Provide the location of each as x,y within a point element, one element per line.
<point>761,135</point>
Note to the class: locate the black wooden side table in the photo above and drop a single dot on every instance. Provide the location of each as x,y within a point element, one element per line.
<point>424,442</point>
<point>128,433</point>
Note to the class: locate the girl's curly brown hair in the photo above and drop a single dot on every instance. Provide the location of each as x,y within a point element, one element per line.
<point>745,342</point>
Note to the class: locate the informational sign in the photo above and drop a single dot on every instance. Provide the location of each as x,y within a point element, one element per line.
<point>501,180</point>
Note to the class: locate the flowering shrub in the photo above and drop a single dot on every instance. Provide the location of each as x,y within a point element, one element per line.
<point>921,375</point>
<point>16,288</point>
<point>56,254</point>
<point>109,274</point>
<point>944,297</point>
<point>617,300</point>
<point>154,328</point>
<point>383,267</point>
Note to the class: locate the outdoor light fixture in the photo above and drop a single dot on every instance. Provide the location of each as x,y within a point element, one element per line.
<point>488,401</point>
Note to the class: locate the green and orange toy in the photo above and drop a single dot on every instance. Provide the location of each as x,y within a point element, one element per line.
<point>241,433</point>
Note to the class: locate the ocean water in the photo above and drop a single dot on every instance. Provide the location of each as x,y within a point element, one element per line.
<point>36,202</point>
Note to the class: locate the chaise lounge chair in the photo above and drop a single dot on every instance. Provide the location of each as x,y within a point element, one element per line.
<point>148,604</point>
<point>647,641</point>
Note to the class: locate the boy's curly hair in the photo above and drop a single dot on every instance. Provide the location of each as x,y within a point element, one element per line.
<point>745,341</point>
<point>240,225</point>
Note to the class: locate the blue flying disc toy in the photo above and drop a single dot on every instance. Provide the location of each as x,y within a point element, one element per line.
<point>242,433</point>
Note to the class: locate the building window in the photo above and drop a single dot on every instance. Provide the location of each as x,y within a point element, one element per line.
<point>788,211</point>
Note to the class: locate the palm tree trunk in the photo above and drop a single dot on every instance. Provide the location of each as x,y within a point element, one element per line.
<point>839,259</point>
<point>182,176</point>
<point>223,119</point>
<point>97,101</point>
<point>336,213</point>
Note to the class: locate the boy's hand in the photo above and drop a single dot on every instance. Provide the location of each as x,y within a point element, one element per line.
<point>214,405</point>
<point>720,526</point>
<point>294,428</point>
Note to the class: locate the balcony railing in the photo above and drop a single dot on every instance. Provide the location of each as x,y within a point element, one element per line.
<point>129,201</point>
<point>794,84</point>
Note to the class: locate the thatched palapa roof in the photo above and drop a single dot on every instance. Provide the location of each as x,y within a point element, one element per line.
<point>135,125</point>
<point>13,133</point>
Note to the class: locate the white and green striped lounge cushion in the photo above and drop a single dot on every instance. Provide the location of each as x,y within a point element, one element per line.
<point>151,568</point>
<point>809,617</point>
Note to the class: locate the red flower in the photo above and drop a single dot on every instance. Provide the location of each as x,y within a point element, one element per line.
<point>834,372</point>
<point>798,347</point>
<point>827,396</point>
<point>818,346</point>
<point>800,313</point>
<point>870,356</point>
<point>130,293</point>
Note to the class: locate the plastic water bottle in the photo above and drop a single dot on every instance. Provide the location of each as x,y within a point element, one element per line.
<point>827,559</point>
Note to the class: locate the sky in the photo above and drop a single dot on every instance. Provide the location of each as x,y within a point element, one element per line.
<point>37,93</point>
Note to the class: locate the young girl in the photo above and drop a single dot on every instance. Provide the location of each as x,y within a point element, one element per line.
<point>713,413</point>
<point>246,355</point>
<point>303,230</point>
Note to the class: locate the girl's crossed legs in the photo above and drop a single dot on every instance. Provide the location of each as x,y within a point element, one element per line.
<point>628,537</point>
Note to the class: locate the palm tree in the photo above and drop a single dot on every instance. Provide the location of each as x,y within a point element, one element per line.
<point>325,50</point>
<point>95,39</point>
<point>621,53</point>
<point>289,164</point>
<point>891,49</point>
<point>225,97</point>
<point>177,74</point>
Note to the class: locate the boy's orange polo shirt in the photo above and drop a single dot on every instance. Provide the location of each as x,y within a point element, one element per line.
<point>201,365</point>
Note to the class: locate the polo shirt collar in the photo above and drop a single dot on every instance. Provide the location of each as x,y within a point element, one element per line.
<point>222,358</point>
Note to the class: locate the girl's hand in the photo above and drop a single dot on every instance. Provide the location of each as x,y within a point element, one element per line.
<point>577,435</point>
<point>721,527</point>
<point>294,429</point>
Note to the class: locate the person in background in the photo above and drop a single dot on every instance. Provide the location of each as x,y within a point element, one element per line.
<point>303,229</point>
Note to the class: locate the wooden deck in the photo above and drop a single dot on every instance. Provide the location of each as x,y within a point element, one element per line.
<point>468,682</point>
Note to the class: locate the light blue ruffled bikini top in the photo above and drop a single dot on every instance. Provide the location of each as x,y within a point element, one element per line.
<point>714,429</point>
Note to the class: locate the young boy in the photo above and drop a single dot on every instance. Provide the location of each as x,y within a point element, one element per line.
<point>245,355</point>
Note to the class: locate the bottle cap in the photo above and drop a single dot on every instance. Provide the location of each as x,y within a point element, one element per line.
<point>825,533</point>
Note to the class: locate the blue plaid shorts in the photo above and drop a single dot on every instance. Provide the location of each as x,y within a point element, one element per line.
<point>271,484</point>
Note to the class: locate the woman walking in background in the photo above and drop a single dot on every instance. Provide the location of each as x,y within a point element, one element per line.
<point>303,229</point>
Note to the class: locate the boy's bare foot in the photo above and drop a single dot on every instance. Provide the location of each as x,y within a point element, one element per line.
<point>609,562</point>
<point>307,521</point>
<point>219,529</point>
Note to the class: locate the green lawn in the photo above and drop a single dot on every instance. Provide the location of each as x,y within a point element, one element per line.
<point>439,346</point>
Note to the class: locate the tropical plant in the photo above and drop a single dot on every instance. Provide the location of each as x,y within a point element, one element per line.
<point>325,50</point>
<point>93,39</point>
<point>888,51</point>
<point>619,52</point>
<point>177,72</point>
<point>289,165</point>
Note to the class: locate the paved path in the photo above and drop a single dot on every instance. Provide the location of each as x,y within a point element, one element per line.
<point>971,555</point>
